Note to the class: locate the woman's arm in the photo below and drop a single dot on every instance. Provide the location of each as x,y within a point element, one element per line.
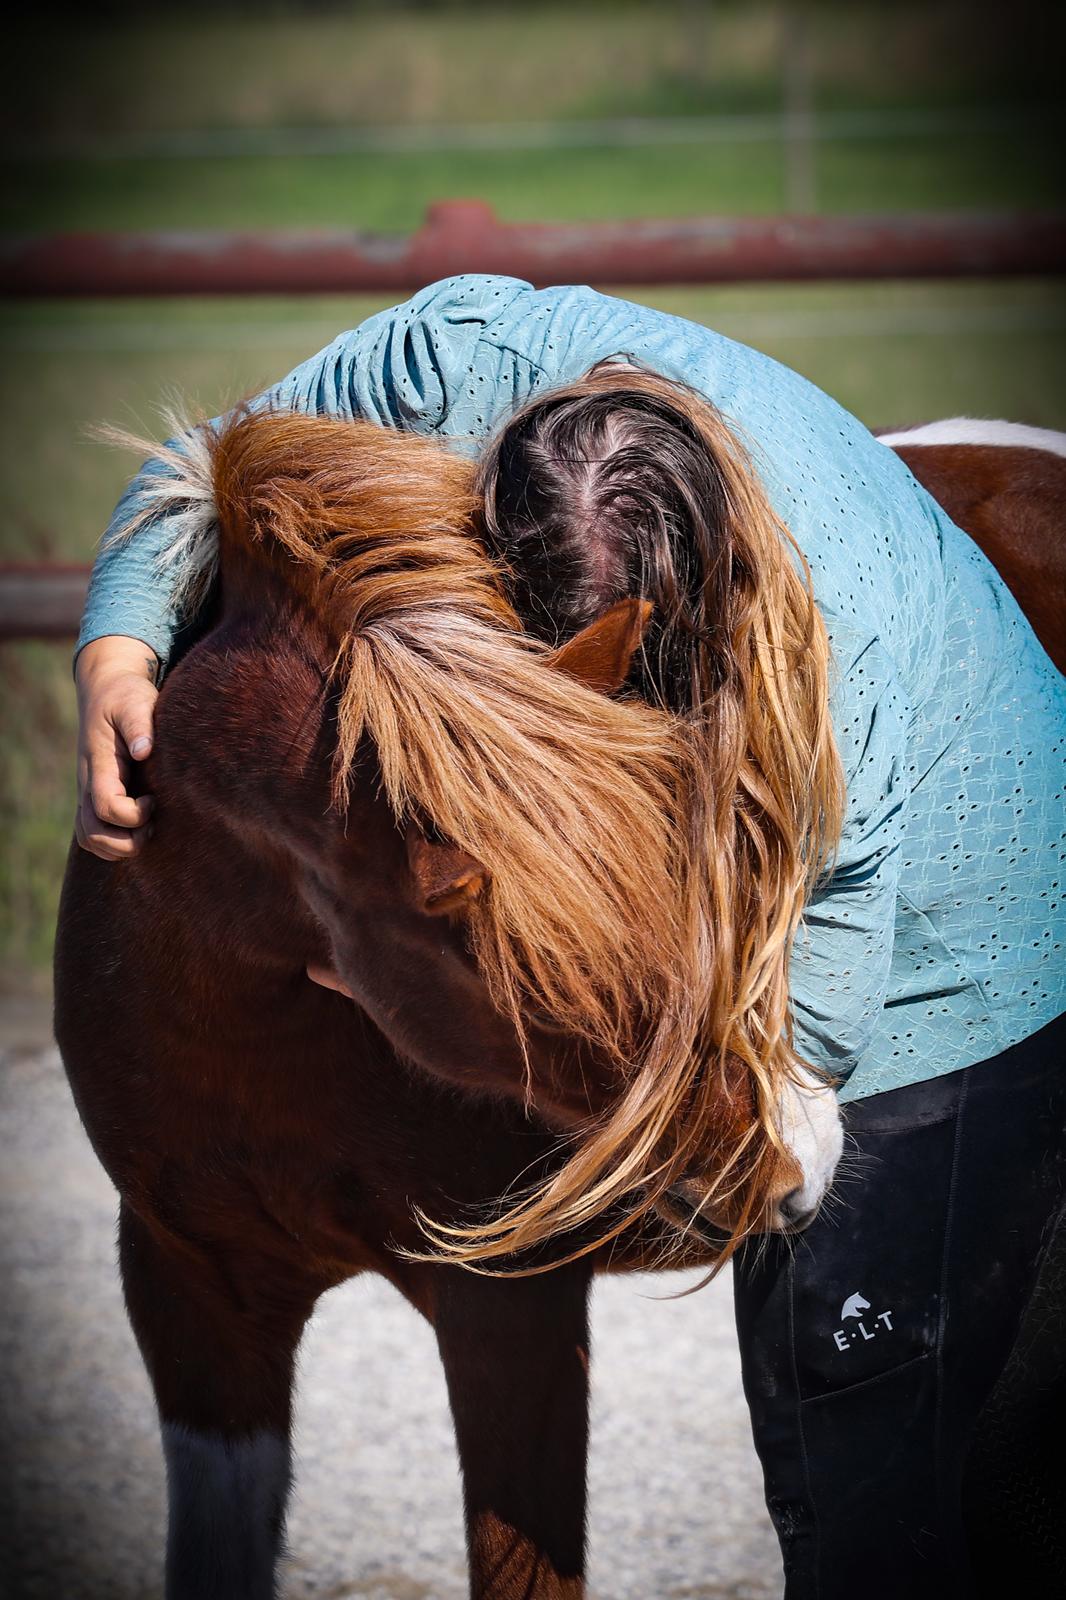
<point>422,365</point>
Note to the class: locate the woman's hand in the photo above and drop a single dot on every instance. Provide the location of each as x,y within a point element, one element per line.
<point>117,692</point>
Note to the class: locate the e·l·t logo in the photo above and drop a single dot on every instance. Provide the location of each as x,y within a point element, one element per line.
<point>853,1307</point>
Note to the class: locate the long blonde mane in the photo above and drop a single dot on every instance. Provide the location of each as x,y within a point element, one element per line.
<point>647,871</point>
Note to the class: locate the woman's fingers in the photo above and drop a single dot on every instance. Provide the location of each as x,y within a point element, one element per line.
<point>106,789</point>
<point>101,839</point>
<point>117,710</point>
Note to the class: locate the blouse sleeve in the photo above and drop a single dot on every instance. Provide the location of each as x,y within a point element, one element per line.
<point>843,949</point>
<point>423,365</point>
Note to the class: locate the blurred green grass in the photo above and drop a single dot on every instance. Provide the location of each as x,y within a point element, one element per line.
<point>193,66</point>
<point>390,190</point>
<point>95,102</point>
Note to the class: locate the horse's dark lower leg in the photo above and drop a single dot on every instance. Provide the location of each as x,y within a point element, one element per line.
<point>515,1352</point>
<point>220,1356</point>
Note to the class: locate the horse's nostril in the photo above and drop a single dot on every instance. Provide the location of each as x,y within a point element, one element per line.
<point>793,1212</point>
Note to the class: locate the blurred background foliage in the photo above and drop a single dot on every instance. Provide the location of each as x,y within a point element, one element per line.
<point>359,115</point>
<point>136,69</point>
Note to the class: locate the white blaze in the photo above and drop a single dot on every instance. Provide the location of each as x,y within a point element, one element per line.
<point>809,1122</point>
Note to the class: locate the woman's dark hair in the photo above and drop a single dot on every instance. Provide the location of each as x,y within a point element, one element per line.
<point>607,488</point>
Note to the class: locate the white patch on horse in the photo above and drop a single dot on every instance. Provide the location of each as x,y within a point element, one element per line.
<point>978,431</point>
<point>227,1510</point>
<point>809,1122</point>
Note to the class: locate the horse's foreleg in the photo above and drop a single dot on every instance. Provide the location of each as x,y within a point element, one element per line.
<point>220,1356</point>
<point>515,1353</point>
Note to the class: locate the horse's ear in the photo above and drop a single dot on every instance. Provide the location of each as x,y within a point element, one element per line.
<point>600,655</point>
<point>446,878</point>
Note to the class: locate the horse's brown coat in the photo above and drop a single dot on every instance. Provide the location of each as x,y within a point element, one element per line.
<point>1012,502</point>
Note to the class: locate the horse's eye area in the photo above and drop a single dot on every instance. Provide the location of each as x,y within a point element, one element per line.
<point>430,832</point>
<point>545,1020</point>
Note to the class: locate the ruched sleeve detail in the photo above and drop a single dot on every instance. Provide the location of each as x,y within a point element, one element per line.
<point>425,365</point>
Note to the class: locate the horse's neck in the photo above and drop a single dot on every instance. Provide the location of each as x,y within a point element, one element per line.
<point>219,911</point>
<point>263,586</point>
<point>241,769</point>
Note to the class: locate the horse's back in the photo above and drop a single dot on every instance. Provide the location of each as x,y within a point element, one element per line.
<point>1004,484</point>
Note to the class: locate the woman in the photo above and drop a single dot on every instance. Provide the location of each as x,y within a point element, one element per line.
<point>927,977</point>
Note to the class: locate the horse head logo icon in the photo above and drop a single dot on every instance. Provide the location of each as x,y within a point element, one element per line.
<point>854,1306</point>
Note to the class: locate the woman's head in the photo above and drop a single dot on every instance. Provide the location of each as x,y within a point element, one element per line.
<point>611,487</point>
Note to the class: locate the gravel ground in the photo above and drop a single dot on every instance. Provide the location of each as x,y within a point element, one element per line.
<point>676,1504</point>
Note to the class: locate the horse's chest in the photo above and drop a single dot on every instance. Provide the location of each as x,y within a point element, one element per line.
<point>270,1201</point>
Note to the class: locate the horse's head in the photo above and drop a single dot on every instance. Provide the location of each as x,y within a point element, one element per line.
<point>449,947</point>
<point>490,845</point>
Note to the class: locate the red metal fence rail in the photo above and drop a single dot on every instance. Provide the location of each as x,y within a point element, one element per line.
<point>41,601</point>
<point>466,236</point>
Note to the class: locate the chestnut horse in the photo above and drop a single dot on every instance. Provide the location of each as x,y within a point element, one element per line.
<point>270,1139</point>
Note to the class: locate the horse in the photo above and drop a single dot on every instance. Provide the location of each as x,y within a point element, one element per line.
<point>269,1138</point>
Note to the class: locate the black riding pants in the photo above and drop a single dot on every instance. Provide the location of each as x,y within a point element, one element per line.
<point>905,1359</point>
